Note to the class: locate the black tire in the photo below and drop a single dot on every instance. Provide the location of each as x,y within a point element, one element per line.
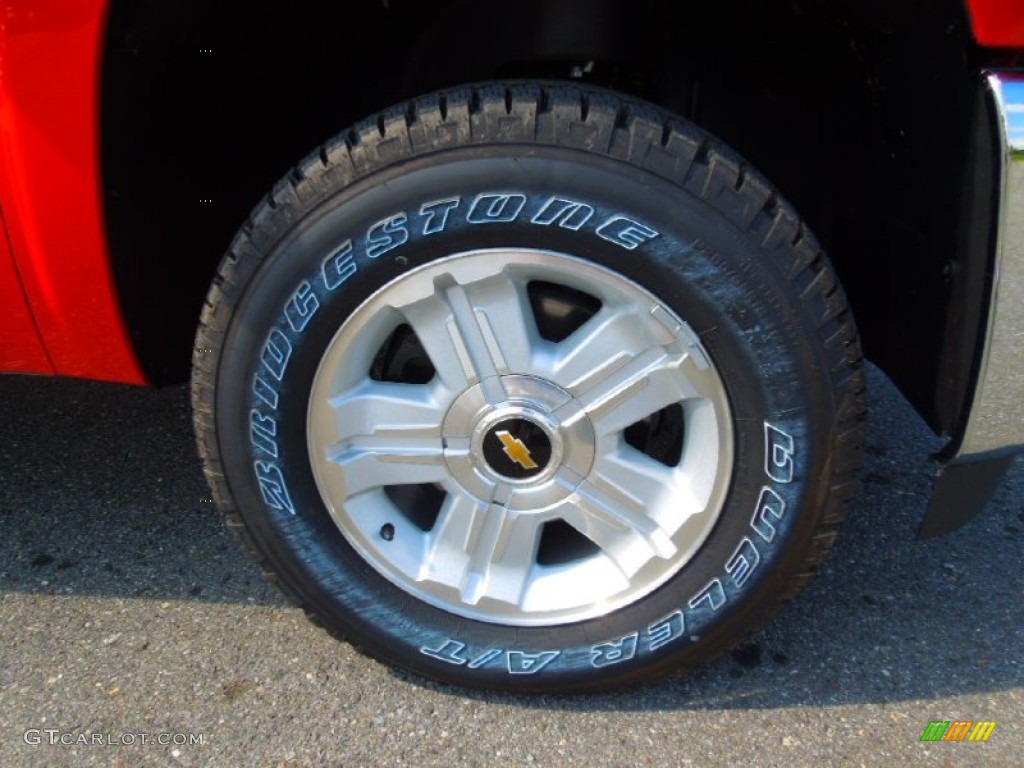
<point>727,255</point>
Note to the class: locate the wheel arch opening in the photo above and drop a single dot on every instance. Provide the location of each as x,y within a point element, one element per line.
<point>865,114</point>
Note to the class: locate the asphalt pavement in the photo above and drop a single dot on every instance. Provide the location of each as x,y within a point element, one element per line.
<point>133,632</point>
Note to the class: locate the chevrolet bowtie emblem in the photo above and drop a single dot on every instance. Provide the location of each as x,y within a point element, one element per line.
<point>516,450</point>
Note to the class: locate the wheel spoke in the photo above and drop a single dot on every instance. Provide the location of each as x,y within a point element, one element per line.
<point>458,524</point>
<point>389,434</point>
<point>386,408</point>
<point>615,521</point>
<point>506,321</point>
<point>603,344</point>
<point>622,367</point>
<point>502,557</point>
<point>369,464</point>
<point>643,386</point>
<point>442,340</point>
<point>651,485</point>
<point>475,334</point>
<point>482,550</point>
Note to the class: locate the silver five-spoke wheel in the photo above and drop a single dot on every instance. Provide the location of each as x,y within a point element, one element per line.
<point>520,437</point>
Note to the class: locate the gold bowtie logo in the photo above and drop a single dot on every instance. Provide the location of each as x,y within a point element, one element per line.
<point>516,450</point>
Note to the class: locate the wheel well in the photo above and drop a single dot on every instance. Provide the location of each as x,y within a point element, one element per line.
<point>866,113</point>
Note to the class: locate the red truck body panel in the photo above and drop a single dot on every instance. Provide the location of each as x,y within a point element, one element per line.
<point>51,192</point>
<point>997,23</point>
<point>21,349</point>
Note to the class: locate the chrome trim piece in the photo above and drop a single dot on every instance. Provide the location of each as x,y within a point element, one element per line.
<point>996,419</point>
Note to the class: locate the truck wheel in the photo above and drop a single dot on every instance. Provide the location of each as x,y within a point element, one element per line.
<point>530,387</point>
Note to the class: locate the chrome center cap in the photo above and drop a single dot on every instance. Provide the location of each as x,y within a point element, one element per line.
<point>517,444</point>
<point>528,451</point>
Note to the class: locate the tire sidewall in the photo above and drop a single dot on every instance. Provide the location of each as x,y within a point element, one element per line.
<point>325,260</point>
